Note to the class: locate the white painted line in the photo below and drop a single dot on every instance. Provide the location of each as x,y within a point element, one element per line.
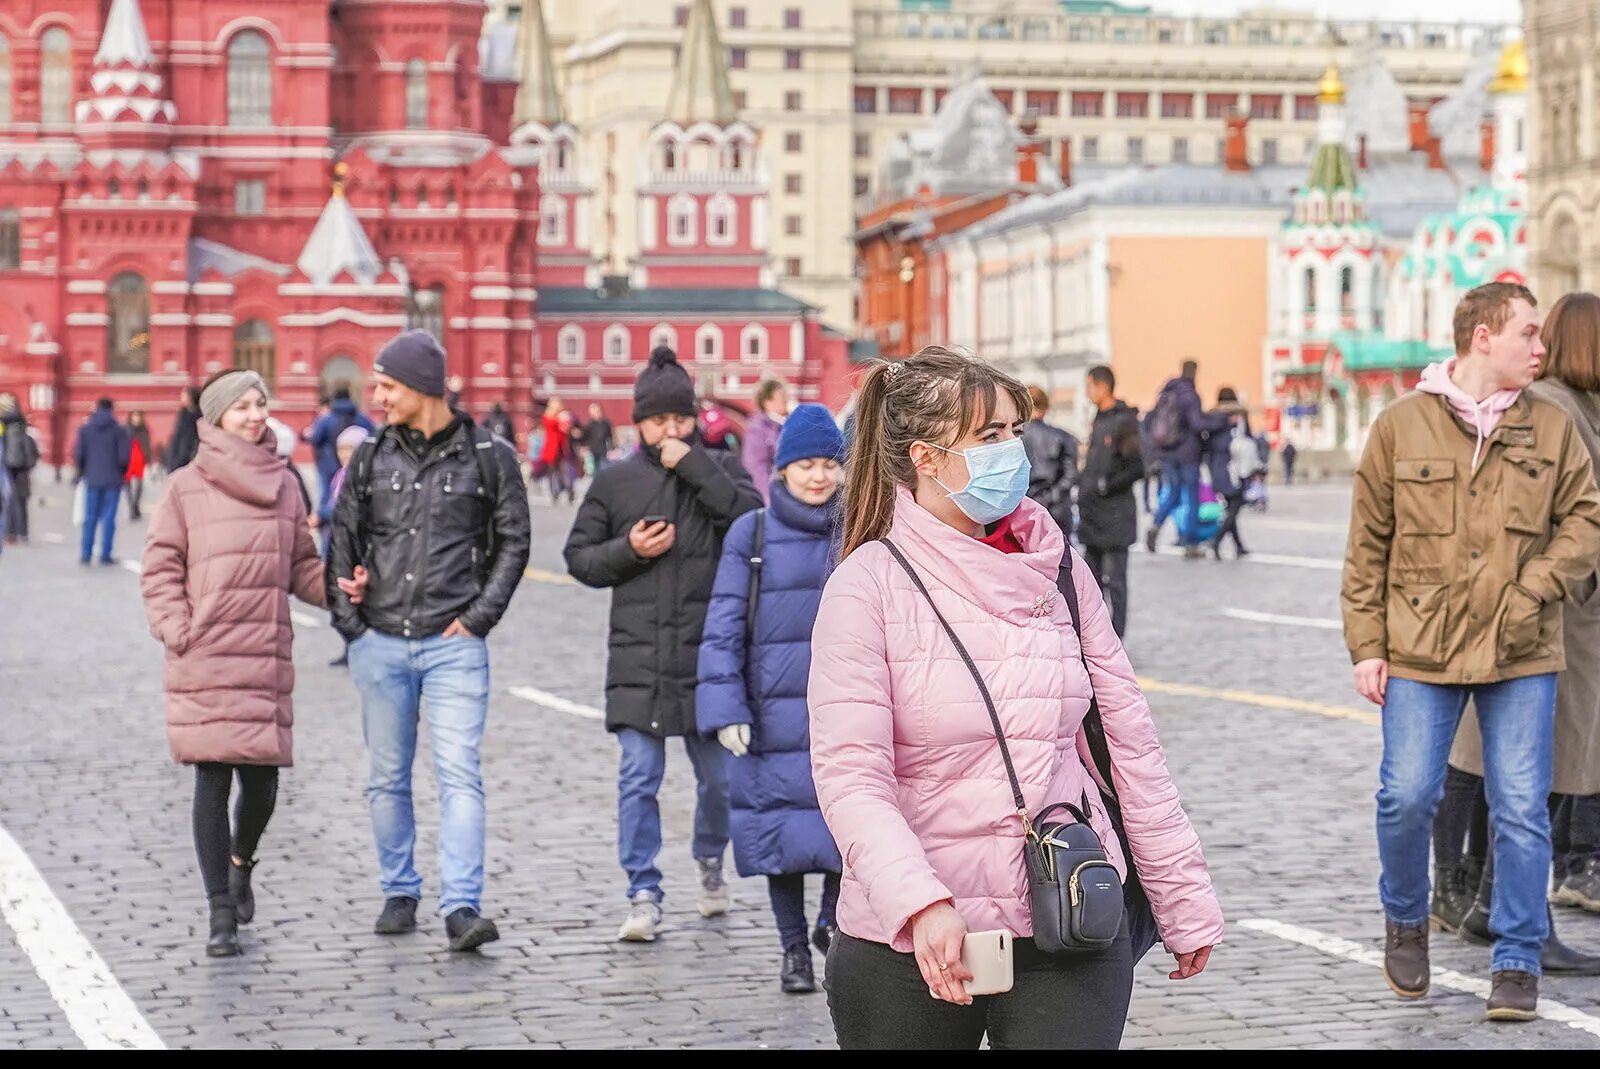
<point>1549,1008</point>
<point>1284,524</point>
<point>96,1006</point>
<point>304,619</point>
<point>1287,621</point>
<point>55,539</point>
<point>132,566</point>
<point>560,705</point>
<point>1320,563</point>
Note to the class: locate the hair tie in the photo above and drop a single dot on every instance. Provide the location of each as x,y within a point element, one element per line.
<point>892,368</point>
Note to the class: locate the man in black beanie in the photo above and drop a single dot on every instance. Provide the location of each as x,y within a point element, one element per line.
<point>651,528</point>
<point>435,509</point>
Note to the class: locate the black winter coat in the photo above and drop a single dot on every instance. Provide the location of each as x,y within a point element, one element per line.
<point>1052,469</point>
<point>185,440</point>
<point>658,607</point>
<point>422,526</point>
<point>1108,517</point>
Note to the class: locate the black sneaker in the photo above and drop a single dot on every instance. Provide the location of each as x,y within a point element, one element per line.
<point>797,977</point>
<point>399,916</point>
<point>468,931</point>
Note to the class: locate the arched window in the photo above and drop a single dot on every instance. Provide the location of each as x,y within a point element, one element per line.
<point>254,347</point>
<point>664,334</point>
<point>10,238</point>
<point>721,220</point>
<point>552,219</point>
<point>708,342</point>
<point>616,344</point>
<point>55,76</point>
<point>563,155</point>
<point>249,80</point>
<point>425,310</point>
<point>753,343</point>
<point>1311,291</point>
<point>569,344</point>
<point>416,95</point>
<point>341,372</point>
<point>669,156</point>
<point>127,325</point>
<point>681,211</point>
<point>5,79</point>
<point>1347,290</point>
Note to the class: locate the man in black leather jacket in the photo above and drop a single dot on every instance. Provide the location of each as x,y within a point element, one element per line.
<point>435,509</point>
<point>1052,461</point>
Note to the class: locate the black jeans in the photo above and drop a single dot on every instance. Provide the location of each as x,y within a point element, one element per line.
<point>1464,814</point>
<point>879,1001</point>
<point>788,894</point>
<point>1110,566</point>
<point>1230,522</point>
<point>17,519</point>
<point>135,489</point>
<point>258,795</point>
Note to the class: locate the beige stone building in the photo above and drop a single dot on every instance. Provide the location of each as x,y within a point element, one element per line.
<point>1564,146</point>
<point>837,84</point>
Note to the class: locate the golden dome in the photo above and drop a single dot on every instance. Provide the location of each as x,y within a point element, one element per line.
<point>1330,90</point>
<point>1512,75</point>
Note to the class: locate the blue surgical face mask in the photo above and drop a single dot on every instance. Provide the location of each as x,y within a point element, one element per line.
<point>997,480</point>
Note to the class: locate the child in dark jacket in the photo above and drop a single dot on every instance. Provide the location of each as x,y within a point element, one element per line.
<point>755,658</point>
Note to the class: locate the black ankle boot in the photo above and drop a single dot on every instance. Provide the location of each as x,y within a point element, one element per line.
<point>244,899</point>
<point>1475,925</point>
<point>1561,960</point>
<point>224,941</point>
<point>1452,897</point>
<point>797,977</point>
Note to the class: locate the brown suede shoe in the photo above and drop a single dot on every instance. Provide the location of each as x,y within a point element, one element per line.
<point>1405,959</point>
<point>1513,996</point>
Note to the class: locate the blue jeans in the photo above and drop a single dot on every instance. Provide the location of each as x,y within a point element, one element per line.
<point>1517,718</point>
<point>394,677</point>
<point>1185,483</point>
<point>644,762</point>
<point>99,511</point>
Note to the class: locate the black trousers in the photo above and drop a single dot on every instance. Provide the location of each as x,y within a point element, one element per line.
<point>1110,564</point>
<point>788,895</point>
<point>1464,815</point>
<point>213,841</point>
<point>879,1001</point>
<point>1230,522</point>
<point>17,519</point>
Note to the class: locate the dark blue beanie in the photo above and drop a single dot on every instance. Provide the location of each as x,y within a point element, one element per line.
<point>808,432</point>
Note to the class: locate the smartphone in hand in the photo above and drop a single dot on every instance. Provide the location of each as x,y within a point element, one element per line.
<point>987,955</point>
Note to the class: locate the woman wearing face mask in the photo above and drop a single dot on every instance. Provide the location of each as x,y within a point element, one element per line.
<point>227,546</point>
<point>754,659</point>
<point>907,766</point>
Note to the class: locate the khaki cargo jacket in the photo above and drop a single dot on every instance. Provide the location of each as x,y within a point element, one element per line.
<point>1456,575</point>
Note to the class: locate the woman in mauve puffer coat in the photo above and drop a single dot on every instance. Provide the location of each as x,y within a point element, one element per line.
<point>907,767</point>
<point>226,547</point>
<point>752,693</point>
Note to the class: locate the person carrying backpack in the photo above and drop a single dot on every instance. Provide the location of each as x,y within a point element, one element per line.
<point>1234,460</point>
<point>435,509</point>
<point>20,453</point>
<point>1176,426</point>
<point>754,659</point>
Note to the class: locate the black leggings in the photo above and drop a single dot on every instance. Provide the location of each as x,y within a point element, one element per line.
<point>258,794</point>
<point>879,1001</point>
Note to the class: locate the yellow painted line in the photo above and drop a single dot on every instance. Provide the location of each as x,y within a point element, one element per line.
<point>539,575</point>
<point>1266,701</point>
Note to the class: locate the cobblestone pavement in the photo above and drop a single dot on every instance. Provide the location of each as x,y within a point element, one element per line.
<point>1280,790</point>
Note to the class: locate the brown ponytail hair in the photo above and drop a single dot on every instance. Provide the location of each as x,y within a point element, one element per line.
<point>937,396</point>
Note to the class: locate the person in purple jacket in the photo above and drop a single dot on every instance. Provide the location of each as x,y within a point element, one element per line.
<point>761,433</point>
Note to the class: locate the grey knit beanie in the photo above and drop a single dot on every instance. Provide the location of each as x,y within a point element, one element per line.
<point>225,389</point>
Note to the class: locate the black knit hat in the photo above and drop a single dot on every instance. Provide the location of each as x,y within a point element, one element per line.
<point>663,388</point>
<point>413,359</point>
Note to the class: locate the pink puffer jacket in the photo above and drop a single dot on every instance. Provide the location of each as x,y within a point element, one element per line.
<point>905,760</point>
<point>225,549</point>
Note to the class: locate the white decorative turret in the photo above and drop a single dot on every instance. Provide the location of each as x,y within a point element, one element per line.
<point>1509,95</point>
<point>700,90</point>
<point>338,243</point>
<point>126,83</point>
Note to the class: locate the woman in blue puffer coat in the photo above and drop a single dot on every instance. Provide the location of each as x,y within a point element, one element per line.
<point>752,685</point>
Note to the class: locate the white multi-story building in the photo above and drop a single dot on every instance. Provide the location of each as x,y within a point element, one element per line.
<point>837,83</point>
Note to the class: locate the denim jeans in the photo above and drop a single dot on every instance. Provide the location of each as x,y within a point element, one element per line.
<point>395,676</point>
<point>1184,482</point>
<point>99,512</point>
<point>644,762</point>
<point>1517,718</point>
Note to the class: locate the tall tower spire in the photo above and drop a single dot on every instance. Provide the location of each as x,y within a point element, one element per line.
<point>538,99</point>
<point>126,81</point>
<point>700,91</point>
<point>1332,169</point>
<point>1509,100</point>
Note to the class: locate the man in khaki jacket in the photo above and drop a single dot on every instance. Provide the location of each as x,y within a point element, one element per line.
<point>1474,508</point>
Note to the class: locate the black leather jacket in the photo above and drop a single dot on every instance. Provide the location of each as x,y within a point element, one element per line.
<point>1053,464</point>
<point>436,545</point>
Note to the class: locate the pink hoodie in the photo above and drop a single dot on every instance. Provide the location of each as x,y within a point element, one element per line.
<point>1482,416</point>
<point>906,765</point>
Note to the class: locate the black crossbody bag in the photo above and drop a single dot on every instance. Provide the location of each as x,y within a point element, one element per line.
<point>1074,892</point>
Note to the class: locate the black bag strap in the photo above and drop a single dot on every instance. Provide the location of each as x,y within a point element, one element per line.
<point>983,689</point>
<point>1094,728</point>
<point>754,593</point>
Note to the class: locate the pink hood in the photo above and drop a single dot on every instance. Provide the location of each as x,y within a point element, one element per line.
<point>907,769</point>
<point>1482,416</point>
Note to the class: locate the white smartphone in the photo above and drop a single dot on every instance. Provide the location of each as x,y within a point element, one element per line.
<point>987,956</point>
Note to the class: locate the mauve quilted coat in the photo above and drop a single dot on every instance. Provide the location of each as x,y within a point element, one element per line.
<point>905,761</point>
<point>226,548</point>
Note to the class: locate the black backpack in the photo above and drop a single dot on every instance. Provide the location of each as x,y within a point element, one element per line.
<point>21,451</point>
<point>1166,421</point>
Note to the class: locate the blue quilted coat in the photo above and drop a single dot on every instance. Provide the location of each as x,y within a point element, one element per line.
<point>776,822</point>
